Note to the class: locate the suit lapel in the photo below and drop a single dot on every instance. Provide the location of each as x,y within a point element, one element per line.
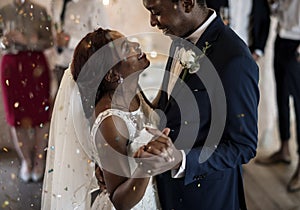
<point>210,35</point>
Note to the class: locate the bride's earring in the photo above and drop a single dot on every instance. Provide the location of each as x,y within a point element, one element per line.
<point>113,77</point>
<point>120,80</point>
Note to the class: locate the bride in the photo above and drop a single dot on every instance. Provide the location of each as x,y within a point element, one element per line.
<point>99,118</point>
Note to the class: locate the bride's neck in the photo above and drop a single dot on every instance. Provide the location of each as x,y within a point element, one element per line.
<point>127,100</point>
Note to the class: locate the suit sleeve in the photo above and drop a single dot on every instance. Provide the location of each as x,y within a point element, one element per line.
<point>239,140</point>
<point>260,24</point>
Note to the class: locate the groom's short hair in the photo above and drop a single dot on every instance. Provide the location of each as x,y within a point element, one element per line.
<point>201,3</point>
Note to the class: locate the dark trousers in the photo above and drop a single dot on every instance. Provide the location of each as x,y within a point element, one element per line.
<point>287,77</point>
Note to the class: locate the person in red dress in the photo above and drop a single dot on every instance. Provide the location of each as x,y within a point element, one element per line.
<point>25,82</point>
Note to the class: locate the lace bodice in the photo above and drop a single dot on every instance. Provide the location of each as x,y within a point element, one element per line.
<point>138,136</point>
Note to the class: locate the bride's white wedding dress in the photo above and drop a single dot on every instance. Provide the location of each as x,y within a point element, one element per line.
<point>69,175</point>
<point>137,139</point>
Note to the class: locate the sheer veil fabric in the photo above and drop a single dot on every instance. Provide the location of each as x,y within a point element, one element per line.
<point>69,174</point>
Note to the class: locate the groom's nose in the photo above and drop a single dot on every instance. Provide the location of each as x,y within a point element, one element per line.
<point>153,20</point>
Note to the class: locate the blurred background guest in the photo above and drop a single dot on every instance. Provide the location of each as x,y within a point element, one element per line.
<point>287,77</point>
<point>25,82</point>
<point>72,20</point>
<point>249,19</point>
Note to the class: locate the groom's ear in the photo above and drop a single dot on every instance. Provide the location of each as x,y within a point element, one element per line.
<point>188,5</point>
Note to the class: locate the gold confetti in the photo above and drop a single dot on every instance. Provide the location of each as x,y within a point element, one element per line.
<point>89,44</point>
<point>5,149</point>
<point>40,156</point>
<point>31,95</point>
<point>13,176</point>
<point>38,71</point>
<point>5,204</point>
<point>199,185</point>
<point>240,115</point>
<point>134,188</point>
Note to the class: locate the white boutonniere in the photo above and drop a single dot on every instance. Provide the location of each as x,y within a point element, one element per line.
<point>190,62</point>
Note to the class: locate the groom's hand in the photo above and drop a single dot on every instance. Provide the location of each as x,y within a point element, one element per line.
<point>160,154</point>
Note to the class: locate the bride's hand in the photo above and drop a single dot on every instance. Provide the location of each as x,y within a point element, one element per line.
<point>160,154</point>
<point>100,178</point>
<point>158,146</point>
<point>161,144</point>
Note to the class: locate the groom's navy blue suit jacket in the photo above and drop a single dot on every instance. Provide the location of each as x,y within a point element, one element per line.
<point>216,183</point>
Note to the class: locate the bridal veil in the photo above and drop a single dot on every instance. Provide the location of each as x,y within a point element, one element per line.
<point>69,175</point>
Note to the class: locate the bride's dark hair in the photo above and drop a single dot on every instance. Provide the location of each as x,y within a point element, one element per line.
<point>92,59</point>
<point>87,47</point>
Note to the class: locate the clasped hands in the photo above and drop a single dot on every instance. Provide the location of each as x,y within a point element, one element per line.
<point>159,155</point>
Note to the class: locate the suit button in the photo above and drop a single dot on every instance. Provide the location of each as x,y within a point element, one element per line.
<point>197,177</point>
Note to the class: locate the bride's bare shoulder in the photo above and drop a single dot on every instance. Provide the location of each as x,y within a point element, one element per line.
<point>103,104</point>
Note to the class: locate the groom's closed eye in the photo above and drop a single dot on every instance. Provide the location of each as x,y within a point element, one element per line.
<point>153,12</point>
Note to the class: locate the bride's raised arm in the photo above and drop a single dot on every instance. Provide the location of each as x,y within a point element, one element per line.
<point>124,190</point>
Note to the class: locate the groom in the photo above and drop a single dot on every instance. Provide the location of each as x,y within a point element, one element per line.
<point>215,183</point>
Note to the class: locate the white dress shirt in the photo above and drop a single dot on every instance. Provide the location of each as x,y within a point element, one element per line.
<point>176,67</point>
<point>289,19</point>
